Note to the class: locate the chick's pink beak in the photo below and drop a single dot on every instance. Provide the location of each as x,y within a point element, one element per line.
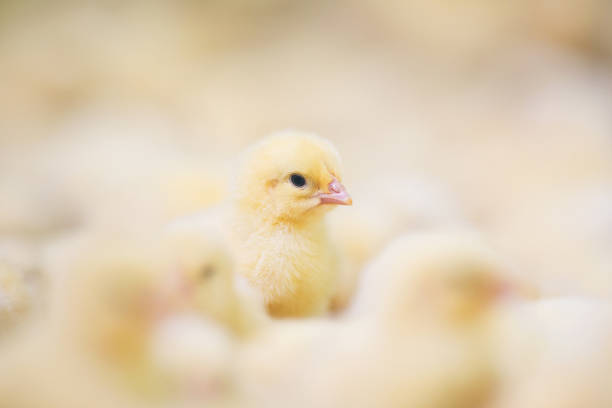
<point>337,194</point>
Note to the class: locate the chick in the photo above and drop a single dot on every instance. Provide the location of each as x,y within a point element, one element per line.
<point>93,320</point>
<point>421,338</point>
<point>105,303</point>
<point>201,279</point>
<point>287,184</point>
<point>453,270</point>
<point>275,222</point>
<point>121,309</point>
<point>388,206</point>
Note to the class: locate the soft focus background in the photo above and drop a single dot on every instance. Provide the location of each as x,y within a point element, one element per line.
<point>497,113</point>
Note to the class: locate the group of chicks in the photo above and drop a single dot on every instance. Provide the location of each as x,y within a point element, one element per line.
<point>261,302</point>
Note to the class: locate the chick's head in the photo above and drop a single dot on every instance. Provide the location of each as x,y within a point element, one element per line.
<point>291,176</point>
<point>452,277</point>
<point>200,276</point>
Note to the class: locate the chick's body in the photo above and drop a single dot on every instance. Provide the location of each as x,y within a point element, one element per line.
<point>288,183</point>
<point>291,266</point>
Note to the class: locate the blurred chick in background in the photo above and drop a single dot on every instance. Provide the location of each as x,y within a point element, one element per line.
<point>202,279</point>
<point>388,206</point>
<point>118,312</point>
<point>423,338</point>
<point>421,267</point>
<point>95,315</point>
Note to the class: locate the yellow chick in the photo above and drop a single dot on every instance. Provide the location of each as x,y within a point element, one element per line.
<point>63,377</point>
<point>388,206</point>
<point>94,319</point>
<point>138,308</point>
<point>286,185</point>
<point>420,337</point>
<point>201,279</point>
<point>106,301</point>
<point>454,271</point>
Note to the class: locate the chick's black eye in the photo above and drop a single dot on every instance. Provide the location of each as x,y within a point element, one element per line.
<point>207,271</point>
<point>298,180</point>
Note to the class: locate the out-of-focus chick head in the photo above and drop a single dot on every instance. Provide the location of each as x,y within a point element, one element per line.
<point>452,276</point>
<point>290,176</point>
<point>200,276</point>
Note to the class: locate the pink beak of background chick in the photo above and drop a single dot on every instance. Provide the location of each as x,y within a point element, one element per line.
<point>337,194</point>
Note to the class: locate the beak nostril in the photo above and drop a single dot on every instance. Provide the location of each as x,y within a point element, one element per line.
<point>334,186</point>
<point>337,194</point>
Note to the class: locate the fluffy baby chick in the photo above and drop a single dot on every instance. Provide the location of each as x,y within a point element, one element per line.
<point>106,300</point>
<point>201,279</point>
<point>453,271</point>
<point>91,331</point>
<point>157,314</point>
<point>420,337</point>
<point>286,185</point>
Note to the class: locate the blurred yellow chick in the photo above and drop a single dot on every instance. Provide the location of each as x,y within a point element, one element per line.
<point>388,206</point>
<point>288,182</point>
<point>454,270</point>
<point>95,318</point>
<point>106,299</point>
<point>119,309</point>
<point>201,279</point>
<point>420,336</point>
